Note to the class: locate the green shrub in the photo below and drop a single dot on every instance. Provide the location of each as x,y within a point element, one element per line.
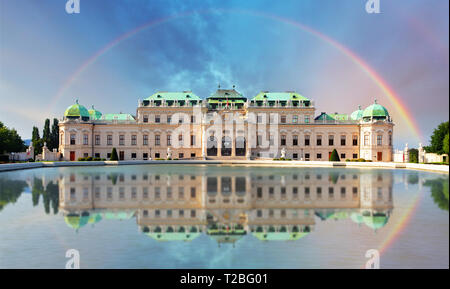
<point>96,159</point>
<point>334,157</point>
<point>89,159</point>
<point>103,159</point>
<point>114,156</point>
<point>81,159</point>
<point>30,160</point>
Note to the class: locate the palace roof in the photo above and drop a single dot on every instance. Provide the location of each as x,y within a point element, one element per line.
<point>118,116</point>
<point>279,96</point>
<point>175,96</point>
<point>226,93</point>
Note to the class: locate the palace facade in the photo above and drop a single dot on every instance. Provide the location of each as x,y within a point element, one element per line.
<point>227,125</point>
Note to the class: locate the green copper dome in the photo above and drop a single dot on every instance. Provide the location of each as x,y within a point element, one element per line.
<point>76,221</point>
<point>77,110</point>
<point>375,111</point>
<point>375,221</point>
<point>357,114</point>
<point>94,114</point>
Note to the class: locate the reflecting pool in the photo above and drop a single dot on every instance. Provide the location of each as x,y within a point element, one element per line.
<point>167,216</point>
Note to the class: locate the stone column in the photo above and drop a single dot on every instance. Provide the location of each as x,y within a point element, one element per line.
<point>204,142</point>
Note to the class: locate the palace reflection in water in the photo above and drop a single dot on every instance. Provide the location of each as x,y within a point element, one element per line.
<point>227,204</point>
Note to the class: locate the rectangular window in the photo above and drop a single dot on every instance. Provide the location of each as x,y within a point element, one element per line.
<point>330,140</point>
<point>145,119</point>
<point>283,140</point>
<point>145,156</point>
<point>180,119</point>
<point>192,140</point>
<point>169,140</point>
<point>72,139</point>
<point>342,156</point>
<point>295,119</point>
<point>192,119</point>
<point>343,140</point>
<point>307,156</point>
<point>157,140</point>
<point>157,118</point>
<point>355,156</point>
<point>306,118</point>
<point>97,139</point>
<point>355,140</point>
<point>283,119</point>
<point>390,139</point>
<point>259,140</point>
<point>295,156</point>
<point>319,140</point>
<point>133,155</point>
<point>319,156</point>
<point>379,140</point>
<point>97,155</point>
<point>157,155</point>
<point>134,140</point>
<point>145,139</point>
<point>169,119</point>
<point>109,139</point>
<point>366,140</point>
<point>295,140</point>
<point>85,139</point>
<point>121,140</point>
<point>307,140</point>
<point>180,139</point>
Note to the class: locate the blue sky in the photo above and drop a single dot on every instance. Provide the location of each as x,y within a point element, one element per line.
<point>226,42</point>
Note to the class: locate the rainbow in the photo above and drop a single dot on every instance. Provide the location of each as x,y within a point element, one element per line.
<point>401,224</point>
<point>396,101</point>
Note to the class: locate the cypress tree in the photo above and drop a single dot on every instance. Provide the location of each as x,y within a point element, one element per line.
<point>54,135</point>
<point>114,156</point>
<point>334,157</point>
<point>36,140</point>
<point>46,132</point>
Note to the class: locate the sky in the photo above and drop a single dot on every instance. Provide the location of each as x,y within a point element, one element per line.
<point>116,52</point>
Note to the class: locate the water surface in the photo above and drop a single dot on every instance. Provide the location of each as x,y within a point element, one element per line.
<point>167,216</point>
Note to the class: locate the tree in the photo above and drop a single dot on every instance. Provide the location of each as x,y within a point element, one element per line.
<point>334,157</point>
<point>46,132</point>
<point>413,155</point>
<point>54,135</point>
<point>445,144</point>
<point>37,141</point>
<point>114,156</point>
<point>437,139</point>
<point>439,192</point>
<point>10,141</point>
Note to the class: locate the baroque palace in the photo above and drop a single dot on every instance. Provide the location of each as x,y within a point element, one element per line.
<point>227,125</point>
